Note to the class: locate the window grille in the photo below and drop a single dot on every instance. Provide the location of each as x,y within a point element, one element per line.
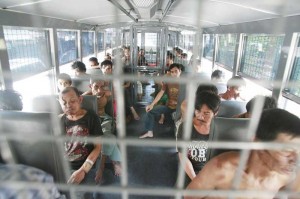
<point>28,51</point>
<point>67,42</point>
<point>226,50</point>
<point>261,56</point>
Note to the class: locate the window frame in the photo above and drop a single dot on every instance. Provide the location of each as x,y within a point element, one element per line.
<point>290,64</point>
<point>217,42</point>
<point>239,72</point>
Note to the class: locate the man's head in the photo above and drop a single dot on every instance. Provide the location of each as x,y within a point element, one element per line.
<point>79,68</point>
<point>107,57</point>
<point>170,59</point>
<point>70,100</point>
<point>278,125</point>
<point>217,75</point>
<point>207,87</point>
<point>206,106</point>
<point>93,61</point>
<point>269,102</point>
<point>175,70</point>
<point>235,86</point>
<point>10,100</point>
<point>63,80</point>
<point>126,51</point>
<point>106,67</point>
<point>98,87</point>
<point>142,52</point>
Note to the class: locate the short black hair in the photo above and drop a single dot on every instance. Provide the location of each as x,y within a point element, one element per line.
<point>80,65</point>
<point>65,76</point>
<point>218,74</point>
<point>10,100</point>
<point>94,59</point>
<point>269,102</point>
<point>232,82</point>
<point>276,121</point>
<point>106,62</point>
<point>207,87</point>
<point>70,88</point>
<point>179,66</point>
<point>209,99</point>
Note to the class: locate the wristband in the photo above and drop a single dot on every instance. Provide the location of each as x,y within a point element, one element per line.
<point>89,161</point>
<point>87,165</point>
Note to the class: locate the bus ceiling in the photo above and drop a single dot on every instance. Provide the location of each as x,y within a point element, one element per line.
<point>194,13</point>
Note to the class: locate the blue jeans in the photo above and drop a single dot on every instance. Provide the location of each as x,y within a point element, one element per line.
<point>156,111</point>
<point>89,179</point>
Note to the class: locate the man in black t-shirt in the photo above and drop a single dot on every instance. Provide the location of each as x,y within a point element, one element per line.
<point>206,107</point>
<point>79,124</point>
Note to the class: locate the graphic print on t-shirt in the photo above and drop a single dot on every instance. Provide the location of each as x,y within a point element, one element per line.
<point>76,148</point>
<point>197,151</point>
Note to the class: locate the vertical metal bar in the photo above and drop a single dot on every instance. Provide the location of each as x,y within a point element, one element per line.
<point>6,77</point>
<point>54,56</point>
<point>79,32</point>
<point>238,54</point>
<point>96,43</point>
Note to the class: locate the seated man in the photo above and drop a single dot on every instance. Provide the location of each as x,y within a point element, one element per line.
<point>269,102</point>
<point>206,107</point>
<point>111,150</point>
<point>172,90</point>
<point>79,70</point>
<point>10,100</point>
<point>63,80</point>
<point>235,86</point>
<point>93,61</point>
<point>79,124</point>
<point>265,169</point>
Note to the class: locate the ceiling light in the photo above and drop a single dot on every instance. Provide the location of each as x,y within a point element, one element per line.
<point>143,3</point>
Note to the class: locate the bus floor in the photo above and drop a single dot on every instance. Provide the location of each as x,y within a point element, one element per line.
<point>151,167</point>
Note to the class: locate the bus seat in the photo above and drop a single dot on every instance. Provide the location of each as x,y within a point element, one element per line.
<point>222,87</point>
<point>152,166</point>
<point>90,103</point>
<point>49,103</point>
<point>230,108</point>
<point>229,129</point>
<point>82,85</point>
<point>94,71</point>
<point>45,103</point>
<point>25,126</point>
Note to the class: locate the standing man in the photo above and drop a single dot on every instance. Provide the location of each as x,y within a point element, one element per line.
<point>79,124</point>
<point>266,169</point>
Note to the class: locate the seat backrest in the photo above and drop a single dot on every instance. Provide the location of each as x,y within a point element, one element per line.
<point>45,103</point>
<point>229,129</point>
<point>161,164</point>
<point>81,84</point>
<point>230,108</point>
<point>94,71</point>
<point>90,103</point>
<point>222,87</point>
<point>50,104</point>
<point>26,147</point>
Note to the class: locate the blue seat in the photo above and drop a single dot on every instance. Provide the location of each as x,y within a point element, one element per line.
<point>228,129</point>
<point>26,147</point>
<point>230,108</point>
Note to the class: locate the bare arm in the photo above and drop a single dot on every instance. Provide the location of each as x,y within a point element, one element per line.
<point>207,179</point>
<point>188,167</point>
<point>157,98</point>
<point>78,175</point>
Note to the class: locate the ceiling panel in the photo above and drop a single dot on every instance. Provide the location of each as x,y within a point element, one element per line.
<point>187,12</point>
<point>280,7</point>
<point>75,10</point>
